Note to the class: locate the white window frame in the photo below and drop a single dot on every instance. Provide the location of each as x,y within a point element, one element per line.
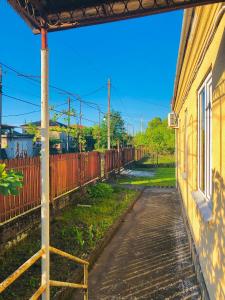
<point>207,87</point>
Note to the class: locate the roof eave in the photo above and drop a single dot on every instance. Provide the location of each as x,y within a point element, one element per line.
<point>187,21</point>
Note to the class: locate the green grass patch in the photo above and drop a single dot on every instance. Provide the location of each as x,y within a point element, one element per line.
<point>166,160</point>
<point>161,177</point>
<point>77,230</point>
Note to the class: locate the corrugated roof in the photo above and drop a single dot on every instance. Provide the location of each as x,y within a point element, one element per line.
<point>61,14</point>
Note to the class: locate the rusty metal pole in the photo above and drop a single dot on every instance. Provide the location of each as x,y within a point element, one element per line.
<point>45,165</point>
<point>109,113</point>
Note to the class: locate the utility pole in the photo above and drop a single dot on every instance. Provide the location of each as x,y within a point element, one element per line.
<point>141,125</point>
<point>128,139</point>
<point>108,135</point>
<point>0,111</point>
<point>68,126</point>
<point>80,125</point>
<point>99,126</point>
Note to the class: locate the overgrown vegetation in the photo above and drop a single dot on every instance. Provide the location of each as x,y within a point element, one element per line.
<point>77,230</point>
<point>100,190</point>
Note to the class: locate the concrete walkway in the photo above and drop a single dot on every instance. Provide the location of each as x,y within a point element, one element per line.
<point>149,256</point>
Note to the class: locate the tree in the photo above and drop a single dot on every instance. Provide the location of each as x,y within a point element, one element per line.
<point>33,129</point>
<point>140,139</point>
<point>159,137</point>
<point>117,130</point>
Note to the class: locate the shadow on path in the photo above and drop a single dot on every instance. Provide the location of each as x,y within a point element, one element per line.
<point>149,257</point>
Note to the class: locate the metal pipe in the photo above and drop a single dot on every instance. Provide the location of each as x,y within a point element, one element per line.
<point>44,165</point>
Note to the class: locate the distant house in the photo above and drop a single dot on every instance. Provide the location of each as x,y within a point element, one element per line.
<point>58,138</point>
<point>15,144</point>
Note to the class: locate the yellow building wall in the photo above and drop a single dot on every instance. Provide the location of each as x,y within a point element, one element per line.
<point>209,21</point>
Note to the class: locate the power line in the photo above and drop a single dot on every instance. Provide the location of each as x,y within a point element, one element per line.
<point>51,109</point>
<point>31,78</point>
<point>22,114</point>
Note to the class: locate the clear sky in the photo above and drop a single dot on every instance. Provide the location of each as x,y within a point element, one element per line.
<point>139,55</point>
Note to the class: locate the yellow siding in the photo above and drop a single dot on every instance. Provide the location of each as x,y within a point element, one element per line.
<point>209,236</point>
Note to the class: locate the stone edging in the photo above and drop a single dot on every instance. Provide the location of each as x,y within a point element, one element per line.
<point>67,293</point>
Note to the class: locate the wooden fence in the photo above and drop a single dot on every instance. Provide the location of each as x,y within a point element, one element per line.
<point>67,172</point>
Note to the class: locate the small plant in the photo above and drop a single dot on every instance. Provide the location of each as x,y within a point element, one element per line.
<point>78,236</point>
<point>91,235</point>
<point>10,181</point>
<point>100,190</point>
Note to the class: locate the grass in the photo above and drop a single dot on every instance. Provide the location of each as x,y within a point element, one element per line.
<point>77,230</point>
<point>163,160</point>
<point>161,177</point>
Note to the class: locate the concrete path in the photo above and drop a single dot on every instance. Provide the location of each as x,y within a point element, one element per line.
<point>149,256</point>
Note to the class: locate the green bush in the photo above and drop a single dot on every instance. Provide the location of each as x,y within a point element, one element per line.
<point>100,190</point>
<point>10,181</point>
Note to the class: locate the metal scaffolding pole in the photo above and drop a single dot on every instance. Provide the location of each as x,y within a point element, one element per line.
<point>45,165</point>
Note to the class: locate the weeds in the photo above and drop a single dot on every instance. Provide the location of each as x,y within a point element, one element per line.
<point>100,190</point>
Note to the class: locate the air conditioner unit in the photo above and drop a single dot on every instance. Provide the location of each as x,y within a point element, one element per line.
<point>172,120</point>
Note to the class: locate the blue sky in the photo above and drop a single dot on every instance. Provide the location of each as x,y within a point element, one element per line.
<point>139,56</point>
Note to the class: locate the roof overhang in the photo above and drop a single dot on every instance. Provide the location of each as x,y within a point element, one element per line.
<point>185,32</point>
<point>64,14</point>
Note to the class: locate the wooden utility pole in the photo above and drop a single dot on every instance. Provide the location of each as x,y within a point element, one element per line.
<point>99,127</point>
<point>80,125</point>
<point>0,111</point>
<point>108,119</point>
<point>141,125</point>
<point>68,124</point>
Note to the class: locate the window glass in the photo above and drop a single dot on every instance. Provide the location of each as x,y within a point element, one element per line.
<point>205,138</point>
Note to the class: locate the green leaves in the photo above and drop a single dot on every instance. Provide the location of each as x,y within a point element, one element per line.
<point>157,137</point>
<point>100,190</point>
<point>117,130</point>
<point>10,181</point>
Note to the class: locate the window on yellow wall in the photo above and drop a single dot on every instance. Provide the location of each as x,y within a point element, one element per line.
<point>205,138</point>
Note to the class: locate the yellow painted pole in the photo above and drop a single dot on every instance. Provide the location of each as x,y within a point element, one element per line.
<point>86,282</point>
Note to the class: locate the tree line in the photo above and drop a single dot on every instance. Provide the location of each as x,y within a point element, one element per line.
<point>158,137</point>
<point>86,138</point>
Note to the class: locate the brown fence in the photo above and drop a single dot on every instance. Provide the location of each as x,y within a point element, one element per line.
<point>67,172</point>
<point>140,153</point>
<point>115,160</point>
